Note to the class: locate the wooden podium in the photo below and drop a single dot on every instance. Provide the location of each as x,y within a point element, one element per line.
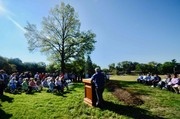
<point>90,95</point>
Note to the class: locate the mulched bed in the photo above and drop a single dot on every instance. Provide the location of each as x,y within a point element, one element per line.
<point>123,94</point>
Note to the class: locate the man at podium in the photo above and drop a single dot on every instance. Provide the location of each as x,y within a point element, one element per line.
<point>99,80</point>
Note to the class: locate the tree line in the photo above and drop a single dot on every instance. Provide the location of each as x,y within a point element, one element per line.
<point>80,66</point>
<point>83,66</point>
<point>129,67</point>
<point>11,65</point>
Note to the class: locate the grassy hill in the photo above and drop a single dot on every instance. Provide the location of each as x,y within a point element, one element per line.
<point>156,103</point>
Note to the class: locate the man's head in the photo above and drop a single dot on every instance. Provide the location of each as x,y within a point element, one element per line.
<point>97,69</point>
<point>2,71</point>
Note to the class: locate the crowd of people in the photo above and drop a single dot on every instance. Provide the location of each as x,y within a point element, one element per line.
<point>28,83</point>
<point>171,82</point>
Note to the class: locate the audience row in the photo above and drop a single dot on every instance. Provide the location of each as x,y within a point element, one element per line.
<point>26,82</point>
<point>169,83</point>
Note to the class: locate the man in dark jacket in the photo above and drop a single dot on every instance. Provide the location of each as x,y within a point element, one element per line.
<point>99,80</point>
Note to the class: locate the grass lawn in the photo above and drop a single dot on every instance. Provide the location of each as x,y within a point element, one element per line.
<point>157,104</point>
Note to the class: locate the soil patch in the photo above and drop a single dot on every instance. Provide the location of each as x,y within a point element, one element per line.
<point>124,95</point>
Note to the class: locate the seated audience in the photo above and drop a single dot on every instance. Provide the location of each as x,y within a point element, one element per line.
<point>156,80</point>
<point>64,83</point>
<point>51,86</point>
<point>33,85</point>
<point>148,79</point>
<point>25,85</point>
<point>12,84</point>
<point>164,84</point>
<point>45,83</point>
<point>175,83</point>
<point>58,85</point>
<point>140,78</point>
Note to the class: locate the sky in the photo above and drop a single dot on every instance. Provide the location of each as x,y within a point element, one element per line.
<point>126,30</point>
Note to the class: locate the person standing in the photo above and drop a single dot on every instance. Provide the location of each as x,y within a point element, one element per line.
<point>99,80</point>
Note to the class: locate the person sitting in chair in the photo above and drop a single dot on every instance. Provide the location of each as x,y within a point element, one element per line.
<point>175,83</point>
<point>156,80</point>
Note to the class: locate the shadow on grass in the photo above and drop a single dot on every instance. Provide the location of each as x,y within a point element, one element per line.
<point>3,114</point>
<point>130,111</point>
<point>6,98</point>
<point>71,88</point>
<point>60,94</point>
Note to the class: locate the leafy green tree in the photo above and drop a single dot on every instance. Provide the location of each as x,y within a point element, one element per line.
<point>78,68</point>
<point>119,67</point>
<point>175,64</point>
<point>18,63</point>
<point>105,70</point>
<point>112,68</point>
<point>89,69</point>
<point>60,37</point>
<point>41,66</point>
<point>152,67</point>
<point>127,66</point>
<point>159,68</point>
<point>167,67</point>
<point>35,67</point>
<point>52,67</point>
<point>9,68</point>
<point>142,68</point>
<point>134,64</point>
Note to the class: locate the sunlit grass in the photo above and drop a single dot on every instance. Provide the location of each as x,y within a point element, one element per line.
<point>160,102</point>
<point>157,104</point>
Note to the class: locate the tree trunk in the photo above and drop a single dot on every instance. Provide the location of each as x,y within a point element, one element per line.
<point>62,61</point>
<point>62,66</point>
<point>62,58</point>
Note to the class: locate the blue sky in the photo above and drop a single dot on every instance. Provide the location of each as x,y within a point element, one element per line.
<point>133,30</point>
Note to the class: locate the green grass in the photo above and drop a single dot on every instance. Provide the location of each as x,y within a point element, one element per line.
<point>157,104</point>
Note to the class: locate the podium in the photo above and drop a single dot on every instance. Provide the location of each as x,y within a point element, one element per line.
<point>90,95</point>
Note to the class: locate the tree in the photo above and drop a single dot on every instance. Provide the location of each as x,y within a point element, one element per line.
<point>127,66</point>
<point>18,63</point>
<point>9,68</point>
<point>167,67</point>
<point>112,68</point>
<point>105,70</point>
<point>152,67</point>
<point>60,37</point>
<point>174,63</point>
<point>89,67</point>
<point>52,67</point>
<point>142,68</point>
<point>119,67</point>
<point>77,67</point>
